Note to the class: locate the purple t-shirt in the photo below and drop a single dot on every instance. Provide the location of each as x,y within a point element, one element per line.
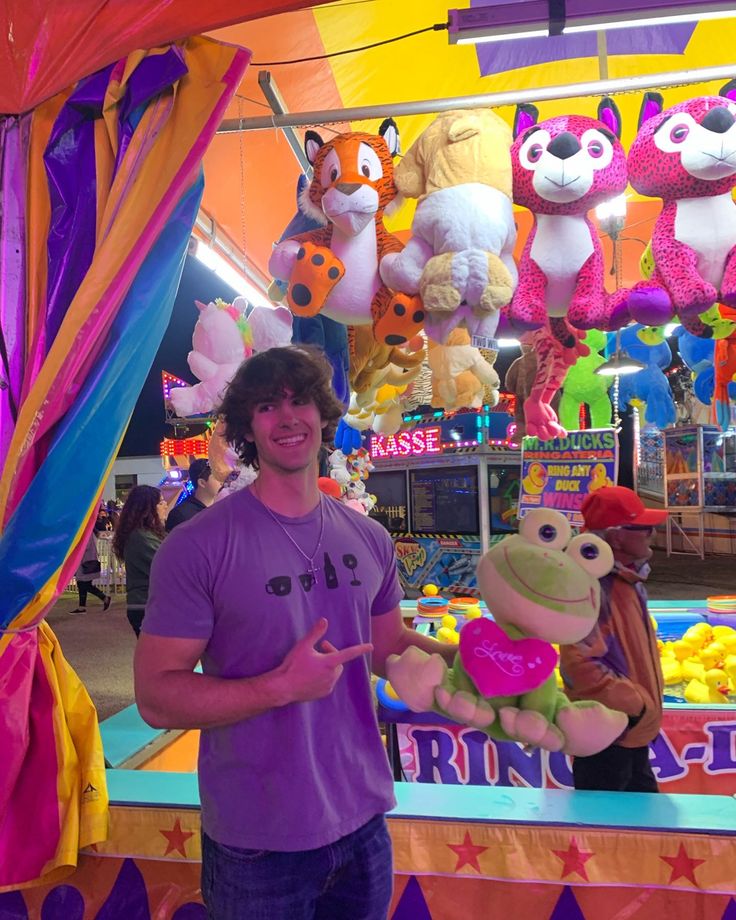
<point>303,775</point>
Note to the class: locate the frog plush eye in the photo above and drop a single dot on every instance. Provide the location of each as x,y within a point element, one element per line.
<point>545,528</point>
<point>592,554</point>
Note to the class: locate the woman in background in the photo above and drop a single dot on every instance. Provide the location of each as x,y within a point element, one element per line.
<point>89,569</point>
<point>139,532</point>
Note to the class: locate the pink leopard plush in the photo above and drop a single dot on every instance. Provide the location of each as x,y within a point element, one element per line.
<point>562,168</point>
<point>686,155</point>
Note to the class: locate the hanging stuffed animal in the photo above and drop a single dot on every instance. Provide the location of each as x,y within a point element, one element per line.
<point>649,386</point>
<point>686,155</point>
<point>563,167</point>
<point>720,326</point>
<point>557,347</point>
<point>222,339</point>
<point>724,385</point>
<point>519,381</point>
<point>335,269</point>
<point>532,582</point>
<point>583,387</point>
<point>460,256</point>
<point>460,373</point>
<point>697,355</point>
<point>319,330</point>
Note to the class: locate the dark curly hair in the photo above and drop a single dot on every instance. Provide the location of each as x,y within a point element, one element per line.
<point>268,375</point>
<point>139,513</point>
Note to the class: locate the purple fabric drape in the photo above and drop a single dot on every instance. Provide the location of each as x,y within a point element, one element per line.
<point>150,78</point>
<point>70,166</point>
<point>14,139</point>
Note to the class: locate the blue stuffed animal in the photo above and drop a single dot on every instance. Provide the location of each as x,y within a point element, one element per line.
<point>318,330</point>
<point>649,386</point>
<point>698,355</point>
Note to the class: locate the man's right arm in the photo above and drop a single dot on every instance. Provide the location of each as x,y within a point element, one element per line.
<point>170,694</point>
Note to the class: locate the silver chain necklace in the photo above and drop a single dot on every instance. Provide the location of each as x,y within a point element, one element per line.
<point>312,569</point>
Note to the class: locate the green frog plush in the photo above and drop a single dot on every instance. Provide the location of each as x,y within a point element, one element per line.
<point>541,585</point>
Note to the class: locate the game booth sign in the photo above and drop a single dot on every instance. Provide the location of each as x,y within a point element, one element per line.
<point>559,473</point>
<point>446,490</point>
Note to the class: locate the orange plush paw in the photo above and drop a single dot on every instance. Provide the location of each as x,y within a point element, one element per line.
<point>400,321</point>
<point>316,272</point>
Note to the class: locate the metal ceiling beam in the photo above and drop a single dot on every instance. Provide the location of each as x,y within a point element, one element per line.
<point>274,99</point>
<point>485,100</point>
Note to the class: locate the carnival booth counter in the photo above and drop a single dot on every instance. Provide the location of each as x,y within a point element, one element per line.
<point>548,853</point>
<point>695,751</point>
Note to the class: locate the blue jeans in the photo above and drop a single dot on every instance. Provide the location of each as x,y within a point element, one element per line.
<point>351,879</point>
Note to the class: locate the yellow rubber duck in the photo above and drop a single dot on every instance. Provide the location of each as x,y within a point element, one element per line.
<point>729,666</point>
<point>692,669</point>
<point>697,636</point>
<point>472,613</point>
<point>672,671</point>
<point>727,639</point>
<point>448,630</point>
<point>714,690</point>
<point>430,590</point>
<point>598,478</point>
<point>682,650</point>
<point>535,480</point>
<point>713,655</point>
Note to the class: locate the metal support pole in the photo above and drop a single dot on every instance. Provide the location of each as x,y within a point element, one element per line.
<point>274,99</point>
<point>485,100</point>
<point>602,54</point>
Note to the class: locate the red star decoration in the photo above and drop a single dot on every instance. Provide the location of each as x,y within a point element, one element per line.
<point>574,860</point>
<point>177,838</point>
<point>467,853</point>
<point>683,866</point>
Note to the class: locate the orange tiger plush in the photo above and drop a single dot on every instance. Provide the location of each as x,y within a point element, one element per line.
<point>334,269</point>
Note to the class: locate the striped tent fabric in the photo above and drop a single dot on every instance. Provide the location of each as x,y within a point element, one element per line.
<point>101,185</point>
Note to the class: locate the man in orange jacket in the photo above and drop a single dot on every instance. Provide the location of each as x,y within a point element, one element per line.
<point>618,663</point>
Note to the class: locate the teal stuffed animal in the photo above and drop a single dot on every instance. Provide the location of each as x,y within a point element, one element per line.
<point>541,587</point>
<point>582,386</point>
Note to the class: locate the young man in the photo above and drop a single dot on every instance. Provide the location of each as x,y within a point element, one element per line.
<point>206,487</point>
<point>283,594</point>
<point>618,663</point>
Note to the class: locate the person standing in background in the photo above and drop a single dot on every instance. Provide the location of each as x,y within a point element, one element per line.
<point>618,663</point>
<point>89,569</point>
<point>138,536</point>
<point>206,486</point>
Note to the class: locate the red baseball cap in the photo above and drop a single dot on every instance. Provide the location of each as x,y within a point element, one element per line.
<point>617,506</point>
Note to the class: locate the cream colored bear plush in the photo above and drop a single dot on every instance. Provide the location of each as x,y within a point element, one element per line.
<point>460,374</point>
<point>460,256</point>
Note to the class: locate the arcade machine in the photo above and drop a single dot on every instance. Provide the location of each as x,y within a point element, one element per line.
<point>447,489</point>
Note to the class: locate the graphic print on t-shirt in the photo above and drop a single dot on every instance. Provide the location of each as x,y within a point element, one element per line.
<point>350,562</point>
<point>330,573</point>
<point>281,585</point>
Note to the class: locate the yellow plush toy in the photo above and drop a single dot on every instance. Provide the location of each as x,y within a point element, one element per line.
<point>460,256</point>
<point>460,373</point>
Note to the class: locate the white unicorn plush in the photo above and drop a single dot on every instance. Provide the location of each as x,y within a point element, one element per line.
<point>223,338</point>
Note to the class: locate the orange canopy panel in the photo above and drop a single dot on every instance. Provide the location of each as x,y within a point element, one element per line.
<point>45,47</point>
<point>250,178</point>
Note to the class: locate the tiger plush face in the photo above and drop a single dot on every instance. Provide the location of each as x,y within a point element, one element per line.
<point>687,151</point>
<point>568,164</point>
<point>353,177</point>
